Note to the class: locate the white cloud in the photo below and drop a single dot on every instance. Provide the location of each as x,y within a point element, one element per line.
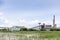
<point>29,24</point>
<point>1,13</point>
<point>9,23</point>
<point>5,21</point>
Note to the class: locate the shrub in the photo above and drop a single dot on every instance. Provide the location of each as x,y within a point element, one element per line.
<point>23,29</point>
<point>32,29</point>
<point>54,29</point>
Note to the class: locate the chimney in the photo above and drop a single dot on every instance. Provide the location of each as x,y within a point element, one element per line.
<point>53,21</point>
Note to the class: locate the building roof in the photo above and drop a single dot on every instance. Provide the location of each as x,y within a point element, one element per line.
<point>18,27</point>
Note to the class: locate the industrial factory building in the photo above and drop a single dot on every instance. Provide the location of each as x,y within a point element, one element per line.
<point>46,27</point>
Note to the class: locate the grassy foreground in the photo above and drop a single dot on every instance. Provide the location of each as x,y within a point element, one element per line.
<point>37,35</point>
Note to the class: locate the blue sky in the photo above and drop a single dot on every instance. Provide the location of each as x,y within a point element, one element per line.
<point>28,12</point>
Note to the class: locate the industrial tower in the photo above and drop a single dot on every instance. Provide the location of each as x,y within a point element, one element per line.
<point>54,25</point>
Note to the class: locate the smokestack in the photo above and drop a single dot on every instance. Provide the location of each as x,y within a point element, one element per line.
<point>53,21</point>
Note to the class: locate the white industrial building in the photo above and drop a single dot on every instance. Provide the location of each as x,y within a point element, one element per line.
<point>16,28</point>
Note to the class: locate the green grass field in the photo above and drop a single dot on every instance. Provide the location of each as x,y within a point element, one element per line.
<point>30,35</point>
